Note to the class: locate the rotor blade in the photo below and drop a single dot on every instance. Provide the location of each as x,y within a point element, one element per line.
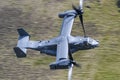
<point>81,19</point>
<point>75,8</point>
<point>81,4</point>
<point>76,64</point>
<point>70,55</point>
<point>70,72</point>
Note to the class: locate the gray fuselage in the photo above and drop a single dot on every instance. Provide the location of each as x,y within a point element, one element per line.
<point>75,43</point>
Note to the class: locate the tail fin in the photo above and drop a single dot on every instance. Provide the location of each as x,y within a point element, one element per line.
<point>23,40</point>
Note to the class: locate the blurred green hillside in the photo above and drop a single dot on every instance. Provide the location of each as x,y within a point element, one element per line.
<point>40,19</point>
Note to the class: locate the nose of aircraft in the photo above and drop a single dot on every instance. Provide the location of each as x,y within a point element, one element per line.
<point>95,43</point>
<point>92,43</point>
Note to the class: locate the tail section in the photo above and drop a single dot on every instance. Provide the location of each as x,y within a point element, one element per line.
<point>23,40</point>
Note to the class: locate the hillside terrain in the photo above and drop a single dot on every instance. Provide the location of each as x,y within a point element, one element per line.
<point>40,19</point>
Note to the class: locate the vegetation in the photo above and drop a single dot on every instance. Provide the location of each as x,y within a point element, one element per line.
<point>39,18</point>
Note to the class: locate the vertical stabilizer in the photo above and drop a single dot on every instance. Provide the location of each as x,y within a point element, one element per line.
<point>23,40</point>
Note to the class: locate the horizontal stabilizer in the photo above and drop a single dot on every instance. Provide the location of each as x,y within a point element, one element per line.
<point>19,53</point>
<point>22,32</point>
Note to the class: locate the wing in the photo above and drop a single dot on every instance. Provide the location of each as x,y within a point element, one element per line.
<point>62,61</point>
<point>67,22</point>
<point>62,49</point>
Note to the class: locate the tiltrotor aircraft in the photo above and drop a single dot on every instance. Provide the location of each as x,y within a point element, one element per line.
<point>62,46</point>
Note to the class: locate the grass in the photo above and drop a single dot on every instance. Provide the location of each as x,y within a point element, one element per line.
<point>102,22</point>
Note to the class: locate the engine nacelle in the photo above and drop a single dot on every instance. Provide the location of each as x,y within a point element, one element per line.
<point>62,64</point>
